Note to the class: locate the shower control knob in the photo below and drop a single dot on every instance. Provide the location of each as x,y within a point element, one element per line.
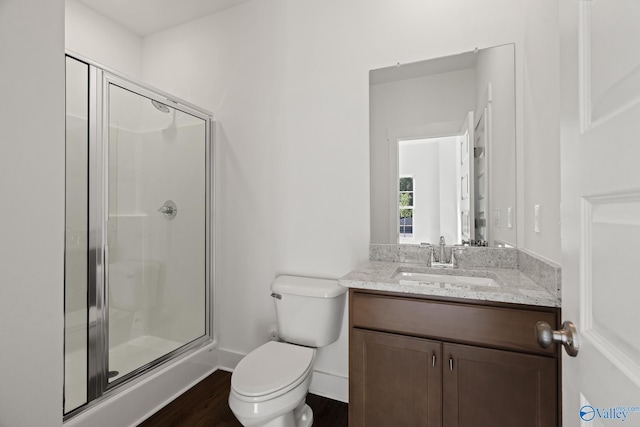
<point>169,209</point>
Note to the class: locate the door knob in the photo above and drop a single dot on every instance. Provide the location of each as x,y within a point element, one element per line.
<point>567,336</point>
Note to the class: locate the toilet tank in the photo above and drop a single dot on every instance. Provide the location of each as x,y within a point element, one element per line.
<point>309,310</point>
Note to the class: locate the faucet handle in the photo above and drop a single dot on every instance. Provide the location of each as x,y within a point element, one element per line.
<point>442,242</point>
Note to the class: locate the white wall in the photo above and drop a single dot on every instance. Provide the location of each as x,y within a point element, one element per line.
<point>541,152</point>
<point>288,83</point>
<point>32,187</point>
<point>100,39</point>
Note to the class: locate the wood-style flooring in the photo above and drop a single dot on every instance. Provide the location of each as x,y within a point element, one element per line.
<point>205,404</point>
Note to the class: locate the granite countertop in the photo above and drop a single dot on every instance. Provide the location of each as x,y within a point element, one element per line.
<point>513,286</point>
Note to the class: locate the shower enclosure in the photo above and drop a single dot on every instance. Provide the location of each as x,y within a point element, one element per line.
<point>137,257</point>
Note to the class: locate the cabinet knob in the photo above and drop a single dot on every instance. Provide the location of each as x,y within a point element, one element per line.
<point>567,336</point>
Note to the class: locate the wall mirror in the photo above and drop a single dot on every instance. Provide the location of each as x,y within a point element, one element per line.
<point>443,150</point>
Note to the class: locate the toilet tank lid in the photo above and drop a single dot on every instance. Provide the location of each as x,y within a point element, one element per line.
<point>307,286</point>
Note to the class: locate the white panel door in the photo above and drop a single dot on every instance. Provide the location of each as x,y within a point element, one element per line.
<point>466,179</point>
<point>481,178</point>
<point>600,71</point>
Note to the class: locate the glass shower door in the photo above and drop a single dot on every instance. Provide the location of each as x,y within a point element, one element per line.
<point>155,195</point>
<point>76,321</point>
<point>138,239</point>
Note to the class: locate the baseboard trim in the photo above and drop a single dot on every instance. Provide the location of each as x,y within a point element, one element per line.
<point>330,385</point>
<point>228,360</point>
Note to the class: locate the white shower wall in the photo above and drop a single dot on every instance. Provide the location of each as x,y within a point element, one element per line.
<point>151,170</point>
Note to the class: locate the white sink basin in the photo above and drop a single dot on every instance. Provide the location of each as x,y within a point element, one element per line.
<point>442,280</point>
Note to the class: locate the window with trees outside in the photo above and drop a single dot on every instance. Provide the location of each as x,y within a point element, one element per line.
<point>405,198</point>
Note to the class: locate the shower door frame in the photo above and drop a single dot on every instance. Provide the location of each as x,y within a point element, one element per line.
<point>98,386</point>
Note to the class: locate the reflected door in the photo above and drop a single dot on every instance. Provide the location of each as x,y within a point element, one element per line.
<point>480,202</point>
<point>155,162</point>
<point>467,190</point>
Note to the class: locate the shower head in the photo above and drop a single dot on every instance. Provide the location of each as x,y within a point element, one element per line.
<point>160,106</point>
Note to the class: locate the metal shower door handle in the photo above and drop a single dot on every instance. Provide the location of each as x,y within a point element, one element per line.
<point>169,209</point>
<point>567,336</point>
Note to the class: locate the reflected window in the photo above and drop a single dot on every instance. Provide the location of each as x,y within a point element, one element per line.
<point>405,199</point>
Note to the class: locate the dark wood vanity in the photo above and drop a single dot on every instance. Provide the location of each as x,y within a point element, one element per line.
<point>417,360</point>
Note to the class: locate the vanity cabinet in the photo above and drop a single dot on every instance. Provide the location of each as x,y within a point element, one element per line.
<point>418,361</point>
<point>392,381</point>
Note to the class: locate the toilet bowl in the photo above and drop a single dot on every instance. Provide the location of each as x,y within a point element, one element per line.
<point>269,386</point>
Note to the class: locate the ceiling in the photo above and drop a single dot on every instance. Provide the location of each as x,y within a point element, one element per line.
<point>145,17</point>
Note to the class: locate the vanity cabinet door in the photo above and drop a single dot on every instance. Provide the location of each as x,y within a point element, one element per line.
<point>395,380</point>
<point>486,387</point>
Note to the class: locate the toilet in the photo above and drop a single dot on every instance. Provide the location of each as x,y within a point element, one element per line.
<point>269,386</point>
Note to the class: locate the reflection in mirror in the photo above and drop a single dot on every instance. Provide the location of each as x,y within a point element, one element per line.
<point>443,150</point>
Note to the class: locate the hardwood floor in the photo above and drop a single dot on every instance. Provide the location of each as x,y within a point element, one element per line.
<point>205,404</point>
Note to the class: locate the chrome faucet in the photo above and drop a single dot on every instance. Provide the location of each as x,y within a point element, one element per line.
<point>438,254</point>
<point>439,258</point>
<point>442,251</point>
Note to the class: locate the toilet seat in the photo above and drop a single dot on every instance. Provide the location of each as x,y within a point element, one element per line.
<point>271,370</point>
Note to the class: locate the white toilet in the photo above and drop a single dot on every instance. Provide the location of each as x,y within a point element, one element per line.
<point>269,386</point>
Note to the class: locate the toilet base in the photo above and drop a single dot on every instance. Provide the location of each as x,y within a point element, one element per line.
<point>284,406</point>
<point>302,416</point>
